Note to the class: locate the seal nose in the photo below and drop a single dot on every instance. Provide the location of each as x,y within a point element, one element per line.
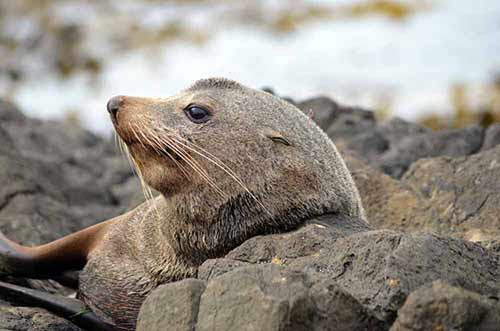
<point>114,105</point>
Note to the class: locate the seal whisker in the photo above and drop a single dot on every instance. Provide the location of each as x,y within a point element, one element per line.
<point>148,194</point>
<point>146,190</point>
<point>126,154</point>
<point>223,167</point>
<point>117,141</point>
<point>196,167</point>
<point>139,140</point>
<point>156,144</point>
<point>212,158</point>
<point>159,144</point>
<point>192,163</point>
<point>146,187</point>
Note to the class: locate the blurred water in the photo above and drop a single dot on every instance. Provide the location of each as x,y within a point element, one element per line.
<point>408,64</point>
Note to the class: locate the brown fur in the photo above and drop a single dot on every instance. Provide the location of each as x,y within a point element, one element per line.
<point>271,169</point>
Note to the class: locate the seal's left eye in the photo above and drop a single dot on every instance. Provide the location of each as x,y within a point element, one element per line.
<point>197,114</point>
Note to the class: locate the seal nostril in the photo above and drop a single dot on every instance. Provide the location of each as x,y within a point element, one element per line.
<point>114,105</point>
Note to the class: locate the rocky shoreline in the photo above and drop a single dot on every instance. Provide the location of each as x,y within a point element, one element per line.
<point>431,260</point>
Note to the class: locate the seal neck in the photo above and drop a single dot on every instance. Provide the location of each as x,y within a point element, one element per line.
<point>196,237</point>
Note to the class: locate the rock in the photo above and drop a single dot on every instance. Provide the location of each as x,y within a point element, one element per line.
<point>440,306</point>
<point>32,319</point>
<point>34,219</point>
<point>270,297</point>
<point>380,268</point>
<point>322,109</point>
<point>457,142</point>
<point>389,203</point>
<point>10,113</point>
<point>395,129</point>
<point>369,145</point>
<point>309,240</point>
<point>216,267</point>
<point>492,245</point>
<point>57,178</point>
<point>335,119</point>
<point>371,140</point>
<point>464,191</point>
<point>491,137</point>
<point>349,123</point>
<point>455,196</point>
<point>172,307</point>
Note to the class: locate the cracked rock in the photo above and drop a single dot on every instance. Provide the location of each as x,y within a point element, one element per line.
<point>464,191</point>
<point>439,306</point>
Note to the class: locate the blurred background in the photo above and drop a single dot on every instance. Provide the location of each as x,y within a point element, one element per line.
<point>432,61</point>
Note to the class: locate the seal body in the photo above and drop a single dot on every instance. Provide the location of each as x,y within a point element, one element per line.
<point>230,163</point>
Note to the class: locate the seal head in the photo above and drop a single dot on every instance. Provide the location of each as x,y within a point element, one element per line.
<point>219,147</point>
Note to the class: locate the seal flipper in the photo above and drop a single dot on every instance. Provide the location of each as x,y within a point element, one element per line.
<point>52,259</point>
<point>71,309</point>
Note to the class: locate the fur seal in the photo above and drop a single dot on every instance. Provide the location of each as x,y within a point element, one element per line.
<point>230,163</point>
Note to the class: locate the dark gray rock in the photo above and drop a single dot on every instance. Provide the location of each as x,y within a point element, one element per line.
<point>10,113</point>
<point>491,137</point>
<point>57,178</point>
<point>369,145</point>
<point>215,267</point>
<point>32,319</point>
<point>464,191</point>
<point>380,268</point>
<point>492,245</point>
<point>388,202</point>
<point>309,240</point>
<point>345,281</point>
<point>440,306</point>
<point>350,123</point>
<point>336,119</point>
<point>270,297</point>
<point>322,109</point>
<point>172,307</point>
<point>396,129</point>
<point>457,142</point>
<point>451,196</point>
<point>371,140</point>
<point>394,145</point>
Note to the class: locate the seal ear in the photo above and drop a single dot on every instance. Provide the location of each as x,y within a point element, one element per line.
<point>277,137</point>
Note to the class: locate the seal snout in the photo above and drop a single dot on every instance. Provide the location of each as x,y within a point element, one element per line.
<point>114,105</point>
